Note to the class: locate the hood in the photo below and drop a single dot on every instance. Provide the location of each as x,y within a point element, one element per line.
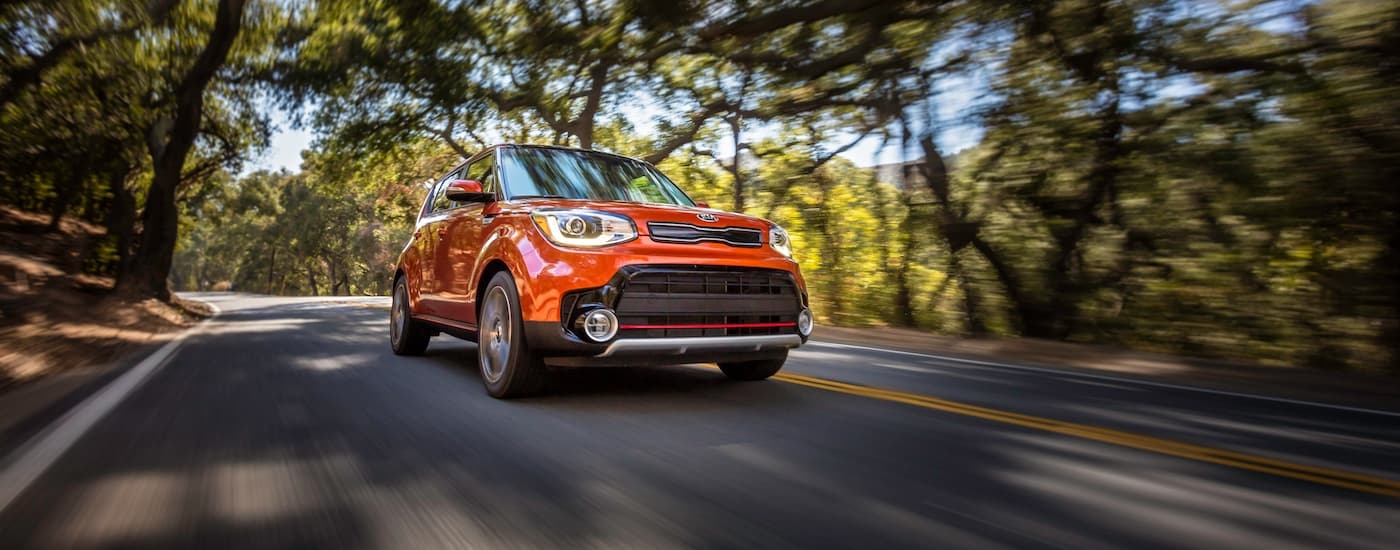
<point>643,213</point>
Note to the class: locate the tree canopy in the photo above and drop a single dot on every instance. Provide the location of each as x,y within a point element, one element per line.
<point>1203,176</point>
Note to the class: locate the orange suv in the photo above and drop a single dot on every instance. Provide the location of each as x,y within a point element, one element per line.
<point>550,256</point>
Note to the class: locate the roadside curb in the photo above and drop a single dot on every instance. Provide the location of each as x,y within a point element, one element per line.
<point>20,468</point>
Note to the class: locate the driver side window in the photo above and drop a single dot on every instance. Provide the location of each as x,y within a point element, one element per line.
<point>440,201</point>
<point>484,171</point>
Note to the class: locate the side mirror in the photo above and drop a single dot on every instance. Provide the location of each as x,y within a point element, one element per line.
<point>468,191</point>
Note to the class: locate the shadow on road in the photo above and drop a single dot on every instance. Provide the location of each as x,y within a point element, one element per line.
<point>294,426</point>
<point>611,386</point>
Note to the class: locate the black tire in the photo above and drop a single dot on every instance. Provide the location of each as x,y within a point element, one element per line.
<point>508,367</point>
<point>754,370</point>
<point>406,336</point>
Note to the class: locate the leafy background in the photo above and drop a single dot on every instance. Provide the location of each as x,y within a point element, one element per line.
<point>1209,177</point>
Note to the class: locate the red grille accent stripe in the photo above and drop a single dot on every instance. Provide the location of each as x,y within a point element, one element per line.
<point>718,325</point>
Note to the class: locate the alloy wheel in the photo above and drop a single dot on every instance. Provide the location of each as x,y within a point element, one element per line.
<point>398,316</point>
<point>495,336</point>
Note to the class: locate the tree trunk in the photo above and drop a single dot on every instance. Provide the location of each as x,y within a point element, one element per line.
<point>1021,305</point>
<point>160,223</point>
<point>958,232</point>
<point>121,219</point>
<point>903,298</point>
<point>583,125</point>
<point>1060,316</point>
<point>904,240</point>
<point>271,269</point>
<point>831,266</point>
<point>1390,331</point>
<point>972,304</point>
<point>71,187</point>
<point>735,169</point>
<point>311,278</point>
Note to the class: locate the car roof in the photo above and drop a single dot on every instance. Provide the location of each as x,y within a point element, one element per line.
<point>483,152</point>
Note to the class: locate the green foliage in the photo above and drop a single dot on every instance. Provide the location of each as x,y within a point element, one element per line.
<point>334,228</point>
<point>1208,177</point>
<point>88,99</point>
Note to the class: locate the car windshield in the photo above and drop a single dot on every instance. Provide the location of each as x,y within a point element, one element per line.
<point>571,174</point>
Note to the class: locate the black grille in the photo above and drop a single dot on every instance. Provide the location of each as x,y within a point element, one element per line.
<point>689,234</point>
<point>669,302</point>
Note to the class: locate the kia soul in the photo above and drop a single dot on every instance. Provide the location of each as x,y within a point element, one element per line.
<point>558,257</point>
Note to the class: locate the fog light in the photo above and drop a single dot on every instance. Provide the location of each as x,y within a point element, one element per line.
<point>600,325</point>
<point>804,322</point>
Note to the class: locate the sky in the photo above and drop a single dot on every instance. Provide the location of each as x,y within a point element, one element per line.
<point>286,147</point>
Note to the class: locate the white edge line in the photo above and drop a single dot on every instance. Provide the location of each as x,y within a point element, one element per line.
<point>1067,372</point>
<point>34,457</point>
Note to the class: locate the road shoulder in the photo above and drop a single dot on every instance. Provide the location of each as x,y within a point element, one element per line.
<point>29,407</point>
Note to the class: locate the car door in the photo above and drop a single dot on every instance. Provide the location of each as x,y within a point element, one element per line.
<point>465,235</point>
<point>428,236</point>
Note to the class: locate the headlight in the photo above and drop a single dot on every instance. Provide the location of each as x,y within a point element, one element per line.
<point>778,239</point>
<point>584,228</point>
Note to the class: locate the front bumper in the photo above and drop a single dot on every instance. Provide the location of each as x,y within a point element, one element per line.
<point>703,344</point>
<point>672,314</point>
<point>562,349</point>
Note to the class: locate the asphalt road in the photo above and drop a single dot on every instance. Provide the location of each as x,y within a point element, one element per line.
<point>287,423</point>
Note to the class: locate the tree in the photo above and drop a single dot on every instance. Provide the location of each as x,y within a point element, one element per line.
<point>1214,178</point>
<point>170,141</point>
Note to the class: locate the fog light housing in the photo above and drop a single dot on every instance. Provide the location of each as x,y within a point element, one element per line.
<point>804,322</point>
<point>600,325</point>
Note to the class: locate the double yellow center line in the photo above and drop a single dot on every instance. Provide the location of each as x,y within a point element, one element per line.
<point>1315,474</point>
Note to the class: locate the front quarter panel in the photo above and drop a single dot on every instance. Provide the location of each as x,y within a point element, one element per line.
<point>410,265</point>
<point>510,242</point>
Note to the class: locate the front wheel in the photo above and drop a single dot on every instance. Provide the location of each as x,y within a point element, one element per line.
<point>754,370</point>
<point>406,336</point>
<point>508,367</point>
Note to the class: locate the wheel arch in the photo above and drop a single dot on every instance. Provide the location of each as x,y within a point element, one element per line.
<point>506,249</point>
<point>413,295</point>
<point>488,272</point>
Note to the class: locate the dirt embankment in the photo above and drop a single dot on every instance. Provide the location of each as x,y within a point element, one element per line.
<point>54,318</point>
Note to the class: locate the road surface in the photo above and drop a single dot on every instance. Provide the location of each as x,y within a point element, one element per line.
<point>287,423</point>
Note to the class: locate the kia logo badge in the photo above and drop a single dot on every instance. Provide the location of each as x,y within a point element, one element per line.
<point>706,217</point>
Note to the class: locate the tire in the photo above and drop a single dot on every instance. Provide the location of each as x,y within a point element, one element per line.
<point>406,336</point>
<point>508,367</point>
<point>754,370</point>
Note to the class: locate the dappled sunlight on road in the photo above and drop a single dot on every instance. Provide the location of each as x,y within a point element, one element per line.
<point>1123,490</point>
<point>126,508</point>
<point>333,362</point>
<point>289,423</point>
<point>249,327</point>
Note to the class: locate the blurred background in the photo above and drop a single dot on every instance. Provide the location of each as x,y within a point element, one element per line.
<point>1208,177</point>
